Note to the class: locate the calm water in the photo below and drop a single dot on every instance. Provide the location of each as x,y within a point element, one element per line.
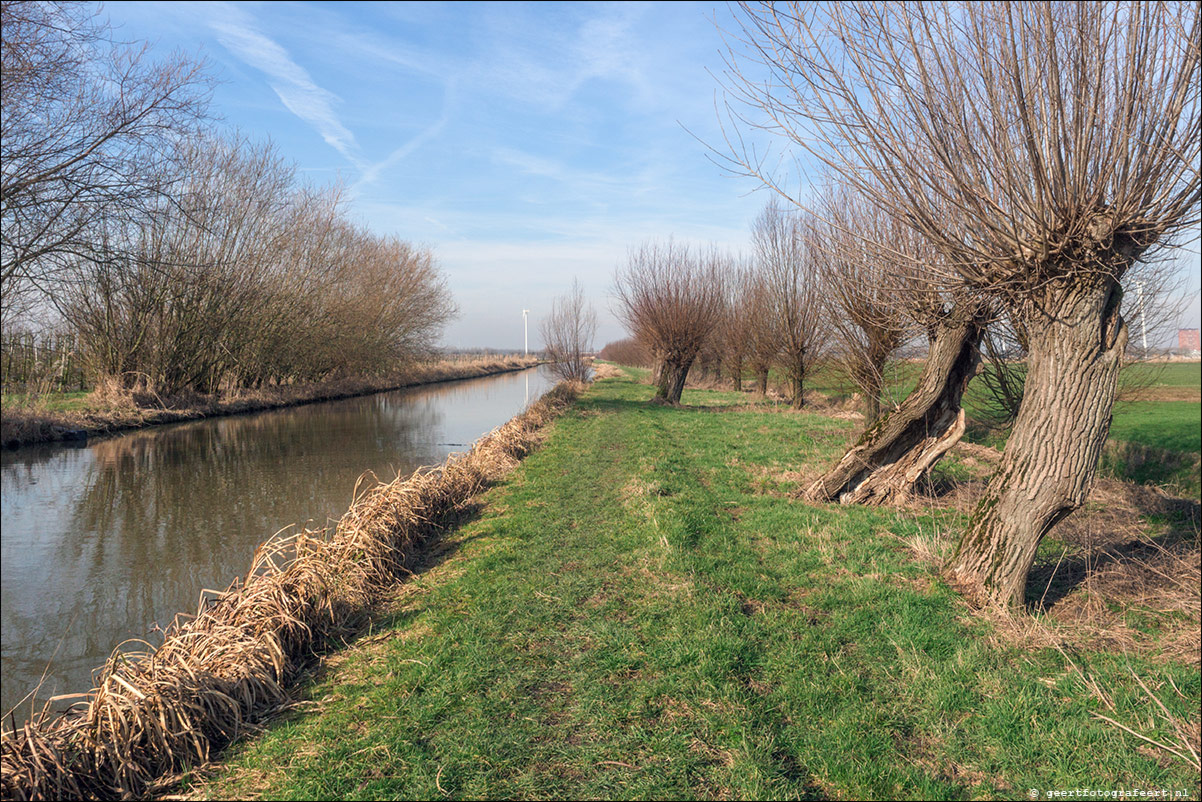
<point>107,542</point>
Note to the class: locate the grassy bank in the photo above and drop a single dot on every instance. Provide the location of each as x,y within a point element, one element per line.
<point>644,610</point>
<point>216,673</point>
<point>64,415</point>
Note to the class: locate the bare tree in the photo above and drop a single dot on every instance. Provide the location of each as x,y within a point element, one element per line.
<point>763,335</point>
<point>568,334</point>
<point>84,120</point>
<point>896,452</point>
<point>1042,149</point>
<point>868,320</point>
<point>671,300</point>
<point>241,278</point>
<point>734,334</point>
<point>791,274</point>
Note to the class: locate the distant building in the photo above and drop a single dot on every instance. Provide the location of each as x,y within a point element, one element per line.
<point>1188,342</point>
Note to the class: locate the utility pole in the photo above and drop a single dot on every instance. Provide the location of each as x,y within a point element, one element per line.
<point>526,331</point>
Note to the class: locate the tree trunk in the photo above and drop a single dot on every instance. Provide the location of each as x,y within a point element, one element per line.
<point>872,376</point>
<point>797,377</point>
<point>761,378</point>
<point>872,402</point>
<point>1050,458</point>
<point>896,452</point>
<point>672,375</point>
<point>736,374</point>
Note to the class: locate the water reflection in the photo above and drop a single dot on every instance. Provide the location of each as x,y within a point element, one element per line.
<point>103,543</point>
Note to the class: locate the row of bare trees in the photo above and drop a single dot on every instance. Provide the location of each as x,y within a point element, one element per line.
<point>787,308</point>
<point>1013,164</point>
<point>181,258</point>
<point>1041,152</point>
<point>244,278</point>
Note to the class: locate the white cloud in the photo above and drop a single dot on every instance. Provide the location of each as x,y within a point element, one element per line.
<point>237,32</point>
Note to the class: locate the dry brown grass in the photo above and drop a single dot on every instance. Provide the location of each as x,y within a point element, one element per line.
<point>604,370</point>
<point>115,409</point>
<point>1160,393</point>
<point>218,673</point>
<point>1132,550</point>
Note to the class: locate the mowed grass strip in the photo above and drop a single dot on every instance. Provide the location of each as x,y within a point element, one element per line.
<point>643,611</point>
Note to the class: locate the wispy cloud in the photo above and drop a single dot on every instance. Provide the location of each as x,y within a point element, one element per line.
<point>372,172</point>
<point>237,32</point>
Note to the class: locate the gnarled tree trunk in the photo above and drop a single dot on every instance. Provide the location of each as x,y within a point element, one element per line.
<point>1052,454</point>
<point>872,403</point>
<point>894,453</point>
<point>670,382</point>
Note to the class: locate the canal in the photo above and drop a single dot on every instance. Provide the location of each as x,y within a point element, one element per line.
<point>108,542</point>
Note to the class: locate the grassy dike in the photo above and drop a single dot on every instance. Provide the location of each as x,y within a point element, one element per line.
<point>641,610</point>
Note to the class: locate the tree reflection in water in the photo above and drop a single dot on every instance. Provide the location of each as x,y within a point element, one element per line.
<point>102,543</point>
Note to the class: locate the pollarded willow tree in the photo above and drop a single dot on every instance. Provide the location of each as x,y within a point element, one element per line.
<point>796,299</point>
<point>894,272</point>
<point>869,319</point>
<point>671,300</point>
<point>1042,149</point>
<point>735,331</point>
<point>763,335</point>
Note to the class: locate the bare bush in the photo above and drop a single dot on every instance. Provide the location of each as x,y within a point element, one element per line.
<point>627,352</point>
<point>568,334</point>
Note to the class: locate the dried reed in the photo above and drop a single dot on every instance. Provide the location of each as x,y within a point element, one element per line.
<point>216,674</point>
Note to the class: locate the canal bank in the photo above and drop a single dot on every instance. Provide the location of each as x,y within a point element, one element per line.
<point>109,541</point>
<point>23,426</point>
<point>217,673</point>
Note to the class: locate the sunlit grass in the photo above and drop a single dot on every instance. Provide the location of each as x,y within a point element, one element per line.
<point>643,610</point>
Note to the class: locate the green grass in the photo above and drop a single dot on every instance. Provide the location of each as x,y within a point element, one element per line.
<point>1151,442</point>
<point>1168,425</point>
<point>51,402</point>
<point>1156,442</point>
<point>642,611</point>
<point>1164,374</point>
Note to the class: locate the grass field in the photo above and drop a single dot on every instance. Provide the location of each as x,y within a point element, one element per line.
<point>1155,435</point>
<point>642,610</point>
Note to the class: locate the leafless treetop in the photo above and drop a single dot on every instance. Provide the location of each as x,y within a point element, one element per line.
<point>1024,141</point>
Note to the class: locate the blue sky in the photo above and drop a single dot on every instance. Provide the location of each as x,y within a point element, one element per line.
<point>526,144</point>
